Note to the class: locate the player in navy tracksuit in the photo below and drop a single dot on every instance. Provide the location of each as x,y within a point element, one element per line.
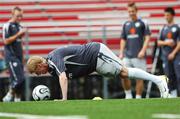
<point>12,38</point>
<point>169,41</point>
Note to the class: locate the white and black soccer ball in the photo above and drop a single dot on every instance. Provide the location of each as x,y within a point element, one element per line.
<point>41,92</point>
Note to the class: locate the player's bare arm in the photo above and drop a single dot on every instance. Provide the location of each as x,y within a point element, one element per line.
<point>14,37</point>
<point>172,55</point>
<point>165,43</point>
<point>63,81</point>
<point>145,46</point>
<point>122,47</point>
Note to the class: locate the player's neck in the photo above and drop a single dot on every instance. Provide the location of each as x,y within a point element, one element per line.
<point>12,20</point>
<point>134,19</point>
<point>170,23</point>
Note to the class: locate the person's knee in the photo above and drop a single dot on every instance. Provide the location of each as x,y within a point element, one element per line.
<point>124,73</point>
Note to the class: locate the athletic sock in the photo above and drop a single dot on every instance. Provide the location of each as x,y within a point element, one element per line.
<point>128,94</point>
<point>135,73</point>
<point>173,93</point>
<point>8,97</point>
<point>17,99</point>
<point>138,96</point>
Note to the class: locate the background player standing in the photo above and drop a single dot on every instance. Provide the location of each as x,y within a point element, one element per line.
<point>169,41</point>
<point>134,42</point>
<point>12,38</point>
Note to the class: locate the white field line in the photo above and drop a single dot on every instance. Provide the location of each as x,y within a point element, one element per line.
<point>166,116</point>
<point>29,116</point>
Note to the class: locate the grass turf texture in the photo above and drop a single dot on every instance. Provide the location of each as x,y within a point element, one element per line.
<point>105,109</point>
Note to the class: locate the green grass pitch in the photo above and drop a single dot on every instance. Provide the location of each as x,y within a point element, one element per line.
<point>105,109</point>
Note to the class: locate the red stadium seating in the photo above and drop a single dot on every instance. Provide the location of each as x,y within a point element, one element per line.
<point>52,23</point>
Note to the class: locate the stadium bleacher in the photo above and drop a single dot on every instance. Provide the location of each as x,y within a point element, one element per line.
<point>52,23</point>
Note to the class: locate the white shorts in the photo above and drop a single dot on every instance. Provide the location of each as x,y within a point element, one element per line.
<point>135,63</point>
<point>108,64</point>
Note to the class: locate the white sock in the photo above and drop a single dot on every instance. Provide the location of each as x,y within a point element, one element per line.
<point>138,96</point>
<point>9,94</point>
<point>141,74</point>
<point>8,97</point>
<point>173,93</point>
<point>17,99</point>
<point>128,94</point>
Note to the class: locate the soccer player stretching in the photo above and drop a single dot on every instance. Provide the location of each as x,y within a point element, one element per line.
<point>79,60</point>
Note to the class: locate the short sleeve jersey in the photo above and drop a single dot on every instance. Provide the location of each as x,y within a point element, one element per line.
<point>75,60</point>
<point>14,49</point>
<point>133,33</point>
<point>169,33</point>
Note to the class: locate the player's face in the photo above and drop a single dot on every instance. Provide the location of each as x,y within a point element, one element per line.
<point>168,17</point>
<point>132,13</point>
<point>41,69</point>
<point>17,16</point>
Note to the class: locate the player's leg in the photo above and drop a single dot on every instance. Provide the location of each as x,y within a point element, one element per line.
<point>177,71</point>
<point>109,64</point>
<point>127,88</point>
<point>19,71</point>
<point>139,88</point>
<point>125,82</point>
<point>141,64</point>
<point>17,74</point>
<point>135,73</point>
<point>169,72</point>
<point>10,94</point>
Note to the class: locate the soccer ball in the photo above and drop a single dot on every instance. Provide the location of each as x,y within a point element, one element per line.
<point>41,92</point>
